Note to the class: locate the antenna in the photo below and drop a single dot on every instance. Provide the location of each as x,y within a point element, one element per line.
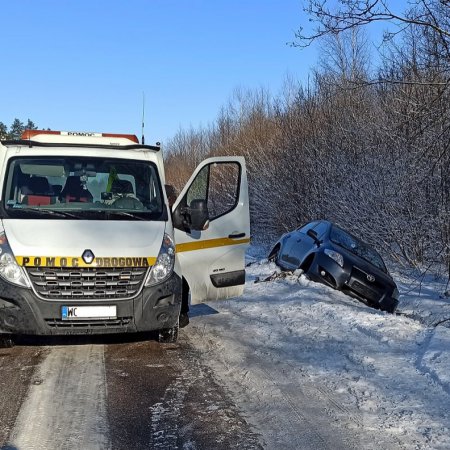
<point>143,118</point>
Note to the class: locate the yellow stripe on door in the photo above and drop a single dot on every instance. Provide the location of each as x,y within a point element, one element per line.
<point>210,243</point>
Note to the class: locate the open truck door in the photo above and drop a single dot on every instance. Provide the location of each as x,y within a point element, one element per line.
<point>212,229</point>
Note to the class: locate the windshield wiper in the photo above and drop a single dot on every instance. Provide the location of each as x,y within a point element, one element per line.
<point>124,214</point>
<point>51,212</point>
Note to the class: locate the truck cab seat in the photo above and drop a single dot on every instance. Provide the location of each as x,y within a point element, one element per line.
<point>123,187</point>
<point>37,192</point>
<point>73,191</point>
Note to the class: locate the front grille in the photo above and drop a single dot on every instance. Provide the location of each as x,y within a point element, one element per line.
<point>86,283</point>
<point>364,291</point>
<point>359,284</point>
<point>113,323</point>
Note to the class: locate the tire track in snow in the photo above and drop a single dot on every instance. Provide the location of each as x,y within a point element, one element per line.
<point>165,414</point>
<point>169,428</point>
<point>165,397</point>
<point>301,417</point>
<point>305,414</point>
<point>421,365</point>
<point>65,407</point>
<point>17,366</point>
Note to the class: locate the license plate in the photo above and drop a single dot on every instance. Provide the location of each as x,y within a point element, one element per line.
<point>88,312</point>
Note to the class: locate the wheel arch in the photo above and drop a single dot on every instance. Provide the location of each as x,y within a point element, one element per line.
<point>273,253</point>
<point>307,262</point>
<point>185,290</point>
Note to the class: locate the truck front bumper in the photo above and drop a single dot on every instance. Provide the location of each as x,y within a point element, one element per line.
<point>23,312</point>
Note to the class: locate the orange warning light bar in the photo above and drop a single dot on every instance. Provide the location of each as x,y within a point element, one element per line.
<point>29,134</point>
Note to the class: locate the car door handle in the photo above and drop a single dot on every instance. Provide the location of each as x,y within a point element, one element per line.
<point>236,235</point>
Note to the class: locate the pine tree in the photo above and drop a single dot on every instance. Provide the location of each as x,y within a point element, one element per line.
<point>30,125</point>
<point>16,130</point>
<point>3,131</point>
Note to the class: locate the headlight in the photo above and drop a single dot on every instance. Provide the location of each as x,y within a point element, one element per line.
<point>335,256</point>
<point>163,267</point>
<point>9,269</point>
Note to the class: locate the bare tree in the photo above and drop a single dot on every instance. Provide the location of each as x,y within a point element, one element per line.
<point>343,15</point>
<point>373,157</point>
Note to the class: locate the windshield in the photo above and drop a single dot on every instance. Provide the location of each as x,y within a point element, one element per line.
<point>357,247</point>
<point>83,188</point>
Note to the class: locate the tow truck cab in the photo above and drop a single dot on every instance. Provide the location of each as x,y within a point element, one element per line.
<point>88,243</point>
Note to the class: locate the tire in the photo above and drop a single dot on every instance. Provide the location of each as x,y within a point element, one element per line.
<point>168,335</point>
<point>6,341</point>
<point>184,320</point>
<point>307,263</point>
<point>273,255</point>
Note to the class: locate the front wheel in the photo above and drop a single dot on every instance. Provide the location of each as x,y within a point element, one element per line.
<point>273,255</point>
<point>6,341</point>
<point>168,335</point>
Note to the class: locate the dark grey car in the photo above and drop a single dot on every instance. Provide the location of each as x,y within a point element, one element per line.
<point>330,255</point>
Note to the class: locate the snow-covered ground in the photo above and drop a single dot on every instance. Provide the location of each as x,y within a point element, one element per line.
<point>314,368</point>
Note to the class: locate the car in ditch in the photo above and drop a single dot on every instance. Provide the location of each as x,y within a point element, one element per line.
<point>330,255</point>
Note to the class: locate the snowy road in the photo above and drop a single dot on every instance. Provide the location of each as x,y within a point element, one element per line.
<point>325,371</point>
<point>291,365</point>
<point>103,394</point>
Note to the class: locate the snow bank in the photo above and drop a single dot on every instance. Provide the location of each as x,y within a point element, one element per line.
<point>314,368</point>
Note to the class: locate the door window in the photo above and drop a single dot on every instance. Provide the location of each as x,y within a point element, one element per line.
<point>199,187</point>
<point>223,189</point>
<point>217,184</point>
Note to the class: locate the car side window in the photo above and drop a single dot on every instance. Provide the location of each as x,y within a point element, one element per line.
<point>320,229</point>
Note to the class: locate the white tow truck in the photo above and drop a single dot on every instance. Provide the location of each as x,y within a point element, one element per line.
<point>88,243</point>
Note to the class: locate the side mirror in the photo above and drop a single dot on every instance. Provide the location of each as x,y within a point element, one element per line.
<point>313,234</point>
<point>198,212</point>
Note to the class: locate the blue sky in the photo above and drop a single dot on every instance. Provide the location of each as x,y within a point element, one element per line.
<point>83,65</point>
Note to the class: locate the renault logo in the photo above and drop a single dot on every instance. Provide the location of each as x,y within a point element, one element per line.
<point>88,256</point>
<point>370,278</point>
